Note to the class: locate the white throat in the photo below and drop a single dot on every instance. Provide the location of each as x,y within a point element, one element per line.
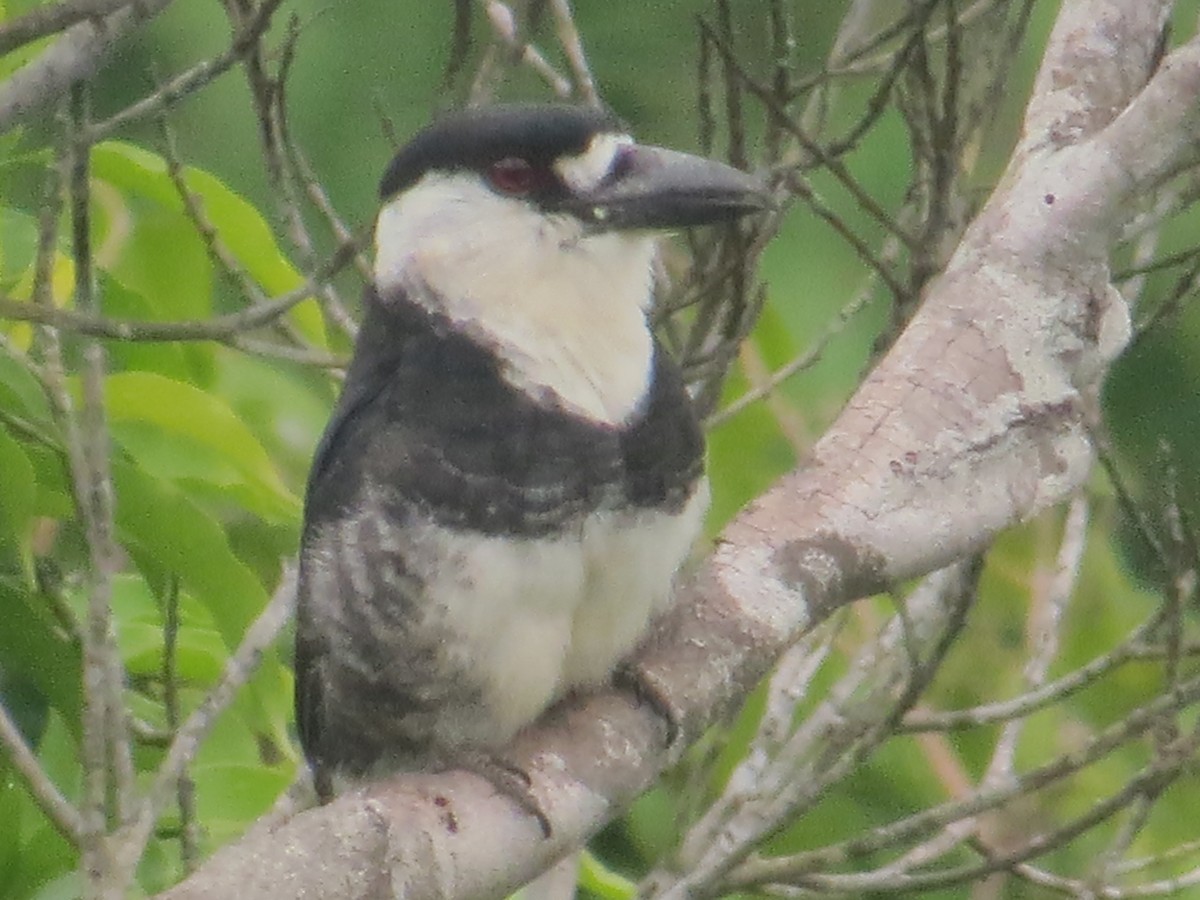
<point>565,311</point>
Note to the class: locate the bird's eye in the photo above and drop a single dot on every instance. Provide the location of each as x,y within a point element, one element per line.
<point>513,176</point>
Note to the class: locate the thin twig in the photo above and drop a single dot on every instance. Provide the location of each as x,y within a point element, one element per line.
<point>219,328</point>
<point>238,670</point>
<point>572,45</point>
<point>291,166</point>
<point>857,717</point>
<point>1042,696</point>
<point>835,166</point>
<point>185,788</point>
<point>970,873</point>
<point>504,27</point>
<point>1133,726</point>
<point>857,62</point>
<point>188,83</point>
<point>193,208</point>
<point>107,765</point>
<point>1045,626</point>
<point>58,809</point>
<point>804,361</point>
<point>800,186</point>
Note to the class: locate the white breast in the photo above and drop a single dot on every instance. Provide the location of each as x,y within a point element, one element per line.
<point>537,618</point>
<point>565,311</point>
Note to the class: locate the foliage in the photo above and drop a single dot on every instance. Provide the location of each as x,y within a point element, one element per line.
<point>208,450</point>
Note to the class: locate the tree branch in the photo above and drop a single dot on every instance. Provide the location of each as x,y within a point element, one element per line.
<point>976,419</point>
<point>44,20</point>
<point>58,809</point>
<point>219,328</point>
<point>72,57</point>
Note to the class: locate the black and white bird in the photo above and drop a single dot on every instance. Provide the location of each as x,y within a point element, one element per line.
<point>513,473</point>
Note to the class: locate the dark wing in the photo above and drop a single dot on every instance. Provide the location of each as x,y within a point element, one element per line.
<point>662,452</point>
<point>310,716</point>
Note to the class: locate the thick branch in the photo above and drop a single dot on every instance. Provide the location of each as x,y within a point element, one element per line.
<point>71,58</point>
<point>977,419</point>
<point>44,20</point>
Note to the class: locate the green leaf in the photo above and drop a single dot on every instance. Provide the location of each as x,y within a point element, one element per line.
<point>170,536</point>
<point>158,868</point>
<point>244,233</point>
<point>20,488</point>
<point>599,881</point>
<point>289,408</point>
<point>145,240</point>
<point>230,797</point>
<point>168,533</point>
<point>68,886</point>
<point>46,862</point>
<point>33,644</point>
<point>183,360</point>
<point>136,171</point>
<point>164,258</point>
<point>20,393</point>
<point>13,804</point>
<point>54,495</point>
<point>200,654</point>
<point>18,245</point>
<point>195,435</point>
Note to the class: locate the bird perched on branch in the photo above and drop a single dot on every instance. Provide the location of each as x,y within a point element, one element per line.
<point>513,473</point>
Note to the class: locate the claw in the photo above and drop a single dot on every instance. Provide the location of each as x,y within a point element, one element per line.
<point>507,778</point>
<point>630,678</point>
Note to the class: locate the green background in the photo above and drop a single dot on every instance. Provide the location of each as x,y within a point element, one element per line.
<point>211,445</point>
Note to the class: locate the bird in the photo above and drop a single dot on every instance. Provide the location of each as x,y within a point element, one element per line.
<point>513,473</point>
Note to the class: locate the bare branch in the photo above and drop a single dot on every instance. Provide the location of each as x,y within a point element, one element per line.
<point>978,418</point>
<point>1045,624</point>
<point>107,753</point>
<point>1039,698</point>
<point>803,868</point>
<point>184,787</point>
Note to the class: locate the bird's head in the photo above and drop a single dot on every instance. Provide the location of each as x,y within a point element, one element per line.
<point>533,226</point>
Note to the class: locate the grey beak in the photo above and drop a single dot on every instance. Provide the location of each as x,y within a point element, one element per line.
<point>656,188</point>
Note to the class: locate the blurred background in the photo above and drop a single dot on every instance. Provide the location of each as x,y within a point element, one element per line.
<point>218,441</point>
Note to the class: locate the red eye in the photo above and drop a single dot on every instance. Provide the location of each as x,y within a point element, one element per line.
<point>513,176</point>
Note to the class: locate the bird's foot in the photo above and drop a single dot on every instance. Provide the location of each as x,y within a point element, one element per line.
<point>630,677</point>
<point>506,777</point>
<point>322,782</point>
